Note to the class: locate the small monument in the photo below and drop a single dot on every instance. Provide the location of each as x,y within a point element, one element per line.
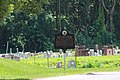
<point>71,64</point>
<point>81,51</point>
<point>107,50</point>
<point>59,65</point>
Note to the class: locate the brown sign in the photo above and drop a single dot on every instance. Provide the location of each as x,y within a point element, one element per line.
<point>64,40</point>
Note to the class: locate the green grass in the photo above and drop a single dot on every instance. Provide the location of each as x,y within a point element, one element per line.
<point>26,69</point>
<point>82,62</point>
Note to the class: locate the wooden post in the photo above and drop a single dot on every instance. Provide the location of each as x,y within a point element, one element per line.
<point>34,57</point>
<point>47,59</point>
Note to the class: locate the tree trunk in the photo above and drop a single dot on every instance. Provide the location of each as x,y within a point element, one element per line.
<point>110,15</point>
<point>111,23</point>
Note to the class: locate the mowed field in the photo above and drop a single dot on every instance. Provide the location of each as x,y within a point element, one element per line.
<point>27,69</point>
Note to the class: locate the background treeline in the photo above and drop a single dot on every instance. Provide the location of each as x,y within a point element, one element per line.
<point>31,24</point>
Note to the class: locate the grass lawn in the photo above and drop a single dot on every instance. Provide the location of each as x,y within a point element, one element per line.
<point>26,69</point>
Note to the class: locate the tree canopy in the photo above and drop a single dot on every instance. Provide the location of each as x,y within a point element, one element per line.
<point>31,24</point>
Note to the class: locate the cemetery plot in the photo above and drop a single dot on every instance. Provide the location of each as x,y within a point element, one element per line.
<point>104,50</point>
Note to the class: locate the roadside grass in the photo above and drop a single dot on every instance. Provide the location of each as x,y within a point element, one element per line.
<point>26,69</point>
<point>81,62</point>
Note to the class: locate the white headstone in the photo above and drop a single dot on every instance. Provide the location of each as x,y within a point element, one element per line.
<point>91,52</point>
<point>10,50</point>
<point>45,54</point>
<point>101,52</point>
<point>17,50</point>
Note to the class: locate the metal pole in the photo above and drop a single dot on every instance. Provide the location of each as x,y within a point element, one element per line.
<point>64,59</point>
<point>7,47</point>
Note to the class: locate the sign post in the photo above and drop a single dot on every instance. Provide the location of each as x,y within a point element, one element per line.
<point>64,40</point>
<point>64,50</point>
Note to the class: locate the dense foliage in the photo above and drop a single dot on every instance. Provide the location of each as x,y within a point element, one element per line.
<point>30,25</point>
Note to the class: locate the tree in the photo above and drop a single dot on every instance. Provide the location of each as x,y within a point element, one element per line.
<point>29,6</point>
<point>31,24</point>
<point>109,8</point>
<point>5,9</point>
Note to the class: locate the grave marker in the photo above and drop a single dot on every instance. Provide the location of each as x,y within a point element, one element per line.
<point>59,65</point>
<point>10,50</point>
<point>71,64</point>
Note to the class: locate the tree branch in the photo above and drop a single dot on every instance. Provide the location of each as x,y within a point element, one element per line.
<point>113,6</point>
<point>104,6</point>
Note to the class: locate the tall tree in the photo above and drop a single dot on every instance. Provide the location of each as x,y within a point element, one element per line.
<point>109,6</point>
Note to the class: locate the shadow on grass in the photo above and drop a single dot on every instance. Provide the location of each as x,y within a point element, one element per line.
<point>17,79</point>
<point>22,79</point>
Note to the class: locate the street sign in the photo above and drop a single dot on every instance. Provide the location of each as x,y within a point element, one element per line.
<point>64,40</point>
